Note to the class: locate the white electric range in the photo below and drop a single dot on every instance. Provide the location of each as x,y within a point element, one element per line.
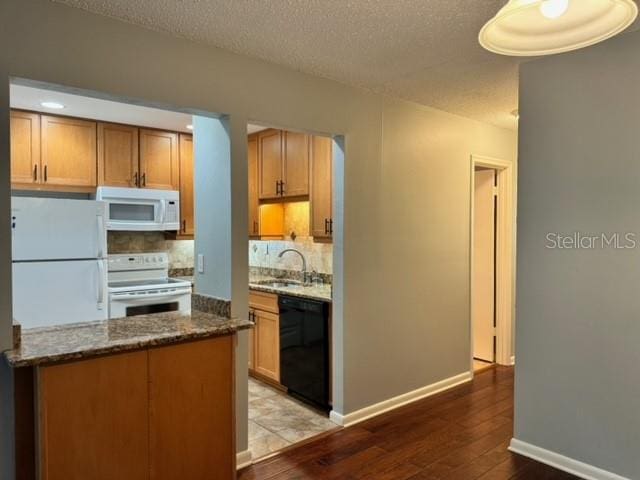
<point>139,284</point>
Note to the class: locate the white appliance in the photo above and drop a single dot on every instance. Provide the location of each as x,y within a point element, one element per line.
<point>139,284</point>
<point>59,261</point>
<point>136,209</point>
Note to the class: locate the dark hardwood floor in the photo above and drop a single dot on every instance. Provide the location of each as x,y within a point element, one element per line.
<point>460,434</point>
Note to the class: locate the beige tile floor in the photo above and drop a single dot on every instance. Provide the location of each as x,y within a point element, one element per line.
<point>277,420</point>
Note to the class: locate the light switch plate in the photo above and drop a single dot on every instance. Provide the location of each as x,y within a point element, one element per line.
<point>200,263</point>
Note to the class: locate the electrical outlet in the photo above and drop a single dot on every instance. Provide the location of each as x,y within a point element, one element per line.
<point>200,263</point>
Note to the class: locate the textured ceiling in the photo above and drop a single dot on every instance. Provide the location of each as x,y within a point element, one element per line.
<point>421,50</point>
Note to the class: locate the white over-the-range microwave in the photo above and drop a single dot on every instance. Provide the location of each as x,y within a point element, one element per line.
<point>140,209</point>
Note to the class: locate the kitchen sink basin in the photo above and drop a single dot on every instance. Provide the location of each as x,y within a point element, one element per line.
<point>279,283</point>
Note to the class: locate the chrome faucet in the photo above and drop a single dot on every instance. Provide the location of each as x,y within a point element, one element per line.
<point>305,274</point>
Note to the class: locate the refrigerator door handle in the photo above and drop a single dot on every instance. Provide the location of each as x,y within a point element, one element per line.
<point>101,235</point>
<point>101,285</point>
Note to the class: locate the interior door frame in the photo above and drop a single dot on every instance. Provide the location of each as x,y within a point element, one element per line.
<point>505,256</point>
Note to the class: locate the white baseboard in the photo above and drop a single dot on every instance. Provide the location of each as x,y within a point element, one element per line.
<point>566,464</point>
<point>395,402</point>
<point>243,459</point>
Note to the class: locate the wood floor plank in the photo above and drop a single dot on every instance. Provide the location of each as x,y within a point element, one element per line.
<point>460,434</point>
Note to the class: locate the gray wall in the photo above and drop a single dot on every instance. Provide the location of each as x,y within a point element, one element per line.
<point>405,233</point>
<point>578,326</point>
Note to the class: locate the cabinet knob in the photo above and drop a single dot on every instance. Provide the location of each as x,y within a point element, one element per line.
<point>143,180</point>
<point>35,173</point>
<point>45,173</point>
<point>136,180</point>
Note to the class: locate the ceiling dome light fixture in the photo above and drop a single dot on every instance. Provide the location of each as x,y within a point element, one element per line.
<point>52,105</point>
<point>526,28</point>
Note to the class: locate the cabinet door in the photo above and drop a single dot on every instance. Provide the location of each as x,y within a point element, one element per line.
<point>159,159</point>
<point>25,147</point>
<point>94,419</point>
<point>117,155</point>
<point>295,165</point>
<point>321,221</point>
<point>186,185</point>
<point>192,426</point>
<point>69,155</point>
<point>269,163</point>
<point>267,345</point>
<point>254,207</point>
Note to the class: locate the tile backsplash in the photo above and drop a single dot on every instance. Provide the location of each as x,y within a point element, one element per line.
<point>265,254</point>
<point>262,253</point>
<point>180,251</point>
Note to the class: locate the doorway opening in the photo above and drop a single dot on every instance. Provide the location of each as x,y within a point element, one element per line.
<point>492,262</point>
<point>291,233</point>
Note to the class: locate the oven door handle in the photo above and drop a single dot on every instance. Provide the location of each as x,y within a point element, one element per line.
<point>116,297</point>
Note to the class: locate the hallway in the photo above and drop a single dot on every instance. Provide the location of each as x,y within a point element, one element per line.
<point>460,434</point>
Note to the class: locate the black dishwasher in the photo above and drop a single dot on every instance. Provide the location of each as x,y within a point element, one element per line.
<point>304,349</point>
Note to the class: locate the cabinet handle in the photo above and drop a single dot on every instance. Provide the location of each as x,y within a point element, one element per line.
<point>136,181</point>
<point>184,226</point>
<point>277,187</point>
<point>255,227</point>
<point>143,179</point>
<point>281,187</point>
<point>326,226</point>
<point>331,226</point>
<point>35,173</point>
<point>45,173</point>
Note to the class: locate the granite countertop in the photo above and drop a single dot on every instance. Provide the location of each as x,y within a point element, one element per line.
<point>313,292</point>
<point>81,340</point>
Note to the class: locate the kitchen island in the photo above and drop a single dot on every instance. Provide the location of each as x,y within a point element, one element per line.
<point>146,397</point>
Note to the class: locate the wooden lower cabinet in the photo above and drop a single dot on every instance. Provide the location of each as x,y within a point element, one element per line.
<point>162,413</point>
<point>265,339</point>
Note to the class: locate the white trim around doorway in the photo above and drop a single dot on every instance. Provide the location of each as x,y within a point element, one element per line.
<point>505,256</point>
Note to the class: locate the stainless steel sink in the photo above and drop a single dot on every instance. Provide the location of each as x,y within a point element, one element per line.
<point>280,283</point>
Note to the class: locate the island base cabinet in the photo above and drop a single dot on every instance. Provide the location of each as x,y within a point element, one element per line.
<point>192,411</point>
<point>160,413</point>
<point>94,419</point>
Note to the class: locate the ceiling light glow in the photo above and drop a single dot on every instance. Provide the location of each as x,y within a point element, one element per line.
<point>544,27</point>
<point>189,127</point>
<point>52,105</point>
<point>554,8</point>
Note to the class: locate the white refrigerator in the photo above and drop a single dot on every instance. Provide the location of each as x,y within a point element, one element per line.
<point>59,261</point>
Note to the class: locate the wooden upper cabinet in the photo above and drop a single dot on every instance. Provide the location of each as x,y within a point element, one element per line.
<point>254,207</point>
<point>186,185</point>
<point>69,155</point>
<point>321,216</point>
<point>159,162</point>
<point>269,163</point>
<point>295,165</point>
<point>117,155</point>
<point>25,147</point>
